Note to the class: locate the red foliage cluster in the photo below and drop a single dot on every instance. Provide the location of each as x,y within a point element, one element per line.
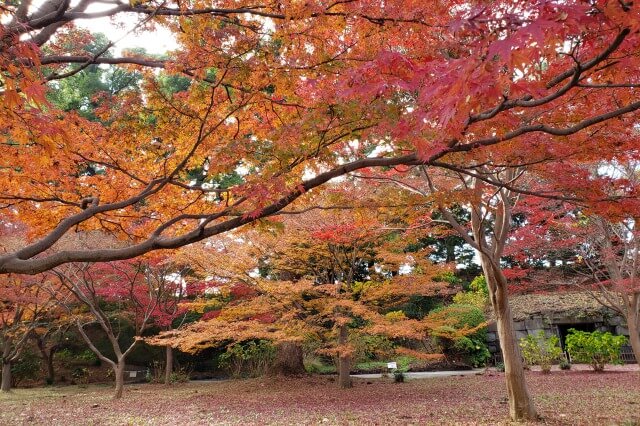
<point>239,291</point>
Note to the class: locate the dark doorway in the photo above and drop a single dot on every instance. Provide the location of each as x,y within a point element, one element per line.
<point>563,330</point>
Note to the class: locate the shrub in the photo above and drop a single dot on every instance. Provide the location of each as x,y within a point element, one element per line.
<point>251,358</point>
<point>460,316</point>
<point>315,365</point>
<point>472,298</point>
<point>447,277</point>
<point>417,307</point>
<point>81,375</point>
<point>314,362</point>
<point>155,372</point>
<point>475,350</point>
<point>68,357</point>
<point>370,347</point>
<point>478,294</point>
<point>479,285</point>
<point>88,357</point>
<point>65,355</point>
<point>500,367</point>
<point>27,367</point>
<point>595,348</point>
<point>180,375</point>
<point>565,365</point>
<point>540,350</point>
<point>472,347</point>
<point>398,377</point>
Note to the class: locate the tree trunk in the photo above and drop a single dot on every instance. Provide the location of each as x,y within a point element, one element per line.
<point>521,405</point>
<point>48,360</point>
<point>6,377</point>
<point>168,368</point>
<point>288,360</point>
<point>344,359</point>
<point>634,334</point>
<point>119,373</point>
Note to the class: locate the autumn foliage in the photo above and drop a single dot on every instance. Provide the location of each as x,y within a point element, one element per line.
<point>292,101</point>
<point>472,105</point>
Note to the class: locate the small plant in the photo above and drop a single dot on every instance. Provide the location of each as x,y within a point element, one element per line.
<point>250,358</point>
<point>475,350</point>
<point>500,367</point>
<point>89,358</point>
<point>370,348</point>
<point>86,357</point>
<point>398,376</point>
<point>565,365</point>
<point>26,368</point>
<point>595,348</point>
<point>478,294</point>
<point>156,373</point>
<point>181,375</point>
<point>315,365</point>
<point>64,355</point>
<point>540,350</point>
<point>81,375</point>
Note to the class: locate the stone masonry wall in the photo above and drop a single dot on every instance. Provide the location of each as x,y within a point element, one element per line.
<point>550,325</point>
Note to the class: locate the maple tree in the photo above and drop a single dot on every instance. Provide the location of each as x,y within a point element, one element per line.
<point>282,89</point>
<point>589,236</point>
<point>553,224</point>
<point>338,250</point>
<point>139,295</point>
<point>602,237</point>
<point>611,244</point>
<point>50,337</point>
<point>611,253</point>
<point>26,305</point>
<point>494,196</point>
<point>491,221</point>
<point>489,194</point>
<point>170,289</point>
<point>29,310</point>
<point>322,273</point>
<point>234,304</point>
<point>220,113</point>
<point>290,312</point>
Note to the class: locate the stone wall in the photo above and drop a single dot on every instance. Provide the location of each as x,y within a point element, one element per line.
<point>550,325</point>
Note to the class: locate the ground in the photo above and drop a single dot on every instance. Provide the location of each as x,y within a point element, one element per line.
<point>562,397</point>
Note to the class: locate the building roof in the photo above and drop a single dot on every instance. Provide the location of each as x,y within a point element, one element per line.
<point>565,304</point>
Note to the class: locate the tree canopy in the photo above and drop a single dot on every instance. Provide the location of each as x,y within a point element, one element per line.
<point>294,95</point>
<point>470,107</point>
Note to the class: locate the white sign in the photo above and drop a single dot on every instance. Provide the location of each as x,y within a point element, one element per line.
<point>392,365</point>
<point>132,373</point>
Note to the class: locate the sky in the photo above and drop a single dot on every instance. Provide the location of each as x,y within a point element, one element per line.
<point>116,29</point>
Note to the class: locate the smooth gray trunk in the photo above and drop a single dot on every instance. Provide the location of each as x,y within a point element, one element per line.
<point>634,335</point>
<point>119,372</point>
<point>521,406</point>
